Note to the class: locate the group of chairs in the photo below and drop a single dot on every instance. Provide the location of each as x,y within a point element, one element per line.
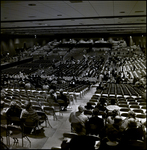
<point>14,127</point>
<point>39,103</point>
<point>138,105</point>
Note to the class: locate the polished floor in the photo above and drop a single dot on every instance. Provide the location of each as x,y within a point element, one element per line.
<point>52,137</point>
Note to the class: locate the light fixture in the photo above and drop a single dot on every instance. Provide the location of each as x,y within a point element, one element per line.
<point>31,16</point>
<point>16,41</point>
<point>122,12</point>
<point>76,1</point>
<point>59,15</point>
<point>31,4</point>
<point>140,11</point>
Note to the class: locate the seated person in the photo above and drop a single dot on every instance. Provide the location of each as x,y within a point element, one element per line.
<point>94,124</point>
<point>77,117</point>
<point>117,125</point>
<point>89,106</point>
<point>63,97</point>
<point>133,132</point>
<point>81,141</point>
<point>110,119</point>
<point>13,111</point>
<point>110,142</point>
<point>53,96</point>
<point>29,112</point>
<point>131,114</point>
<point>101,105</point>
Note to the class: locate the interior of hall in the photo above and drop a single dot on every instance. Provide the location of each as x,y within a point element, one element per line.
<point>35,63</point>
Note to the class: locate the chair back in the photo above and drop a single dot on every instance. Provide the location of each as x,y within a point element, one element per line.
<point>30,123</point>
<point>136,144</point>
<point>49,110</point>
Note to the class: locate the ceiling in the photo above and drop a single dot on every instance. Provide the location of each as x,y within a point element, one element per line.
<point>69,17</point>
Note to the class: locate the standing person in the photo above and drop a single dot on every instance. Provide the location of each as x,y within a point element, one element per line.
<point>77,117</point>
<point>101,76</point>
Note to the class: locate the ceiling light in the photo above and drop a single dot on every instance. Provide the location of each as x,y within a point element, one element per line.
<point>139,11</point>
<point>76,1</point>
<point>31,16</point>
<point>140,19</point>
<point>31,4</point>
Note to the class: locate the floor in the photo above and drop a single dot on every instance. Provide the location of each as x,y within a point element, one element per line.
<point>52,137</point>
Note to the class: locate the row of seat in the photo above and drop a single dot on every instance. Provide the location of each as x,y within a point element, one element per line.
<point>125,104</point>
<point>120,89</point>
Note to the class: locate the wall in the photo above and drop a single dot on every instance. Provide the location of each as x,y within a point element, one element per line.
<point>13,45</point>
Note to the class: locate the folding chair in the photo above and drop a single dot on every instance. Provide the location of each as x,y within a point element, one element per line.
<point>17,131</point>
<point>50,111</point>
<point>3,128</point>
<point>124,114</point>
<point>57,108</point>
<point>88,112</point>
<point>138,110</point>
<point>43,117</point>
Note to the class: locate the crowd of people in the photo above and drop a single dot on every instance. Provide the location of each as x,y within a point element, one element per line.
<point>110,131</point>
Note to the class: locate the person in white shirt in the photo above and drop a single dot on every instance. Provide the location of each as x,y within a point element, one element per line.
<point>77,117</point>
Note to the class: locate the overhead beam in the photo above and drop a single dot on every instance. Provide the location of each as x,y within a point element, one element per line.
<point>74,18</point>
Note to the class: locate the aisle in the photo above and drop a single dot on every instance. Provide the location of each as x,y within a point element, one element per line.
<point>64,125</point>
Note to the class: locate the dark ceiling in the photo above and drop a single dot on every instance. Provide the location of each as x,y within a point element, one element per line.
<point>70,17</point>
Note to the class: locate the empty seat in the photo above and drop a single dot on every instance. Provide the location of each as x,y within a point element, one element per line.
<point>124,114</point>
<point>93,100</point>
<point>138,110</point>
<point>133,103</point>
<point>143,116</point>
<point>134,106</point>
<point>142,103</point>
<point>131,100</point>
<point>125,109</point>
<point>143,107</point>
<point>123,105</point>
<point>121,100</point>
